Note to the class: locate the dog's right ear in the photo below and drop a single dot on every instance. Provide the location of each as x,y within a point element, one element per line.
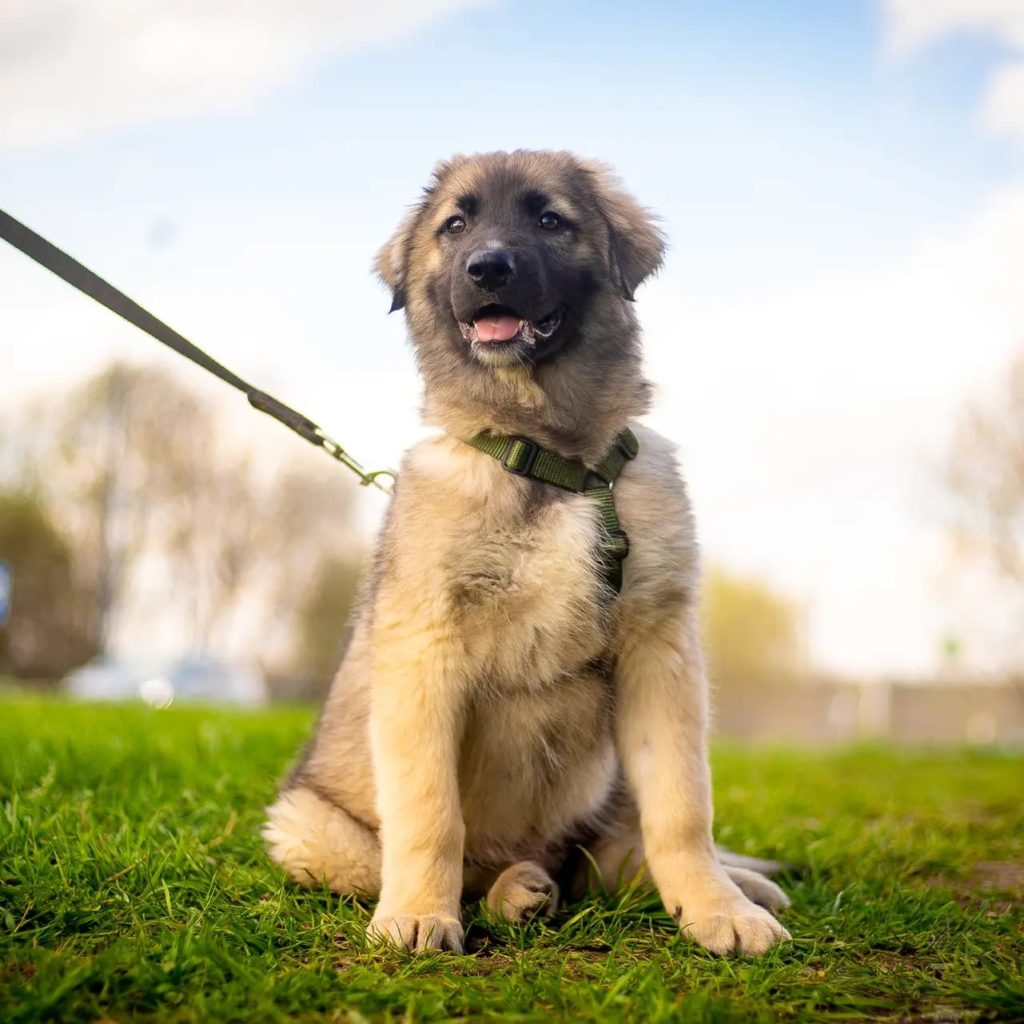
<point>394,256</point>
<point>636,245</point>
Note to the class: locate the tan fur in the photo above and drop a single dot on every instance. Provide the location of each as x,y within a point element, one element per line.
<point>497,706</point>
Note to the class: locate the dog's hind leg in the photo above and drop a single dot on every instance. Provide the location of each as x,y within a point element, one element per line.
<point>757,888</point>
<point>620,861</point>
<point>738,860</point>
<point>318,842</point>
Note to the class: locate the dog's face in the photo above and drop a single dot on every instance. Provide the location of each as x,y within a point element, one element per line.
<point>508,255</point>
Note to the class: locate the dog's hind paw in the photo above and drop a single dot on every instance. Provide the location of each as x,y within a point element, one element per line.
<point>758,889</point>
<point>523,891</point>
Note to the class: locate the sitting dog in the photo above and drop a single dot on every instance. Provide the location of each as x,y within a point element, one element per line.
<point>523,705</point>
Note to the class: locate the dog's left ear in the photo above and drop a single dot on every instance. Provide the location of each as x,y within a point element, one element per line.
<point>635,242</point>
<point>391,260</point>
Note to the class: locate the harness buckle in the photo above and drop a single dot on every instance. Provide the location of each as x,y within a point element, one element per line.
<point>521,467</point>
<point>627,447</point>
<point>616,544</point>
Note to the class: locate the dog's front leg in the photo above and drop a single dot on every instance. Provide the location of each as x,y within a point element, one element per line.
<point>661,730</point>
<point>415,728</point>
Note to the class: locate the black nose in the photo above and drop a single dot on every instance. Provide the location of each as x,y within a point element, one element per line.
<point>490,269</point>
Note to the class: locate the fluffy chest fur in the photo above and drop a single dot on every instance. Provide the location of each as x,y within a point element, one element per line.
<point>519,570</point>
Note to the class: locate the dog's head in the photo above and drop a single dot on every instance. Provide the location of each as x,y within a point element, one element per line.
<point>509,256</point>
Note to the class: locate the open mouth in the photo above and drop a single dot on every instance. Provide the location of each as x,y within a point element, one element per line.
<point>499,325</point>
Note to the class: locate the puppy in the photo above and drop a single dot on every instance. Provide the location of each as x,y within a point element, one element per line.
<point>525,679</point>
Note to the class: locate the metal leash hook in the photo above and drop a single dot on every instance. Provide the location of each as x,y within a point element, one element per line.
<point>371,478</point>
<point>367,477</point>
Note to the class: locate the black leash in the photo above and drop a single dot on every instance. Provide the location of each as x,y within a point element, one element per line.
<point>46,254</point>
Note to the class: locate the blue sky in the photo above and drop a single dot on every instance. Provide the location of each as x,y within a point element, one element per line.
<point>775,138</point>
<point>840,207</point>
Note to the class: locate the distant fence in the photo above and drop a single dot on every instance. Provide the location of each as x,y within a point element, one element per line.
<point>826,713</point>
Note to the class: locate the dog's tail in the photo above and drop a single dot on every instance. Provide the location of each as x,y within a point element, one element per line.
<point>317,843</point>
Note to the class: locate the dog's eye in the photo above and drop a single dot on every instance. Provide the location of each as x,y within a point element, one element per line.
<point>455,225</point>
<point>550,221</point>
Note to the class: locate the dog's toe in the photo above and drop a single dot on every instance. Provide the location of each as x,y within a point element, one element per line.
<point>416,932</point>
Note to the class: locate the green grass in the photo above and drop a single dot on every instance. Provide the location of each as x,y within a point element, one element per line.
<point>133,886</point>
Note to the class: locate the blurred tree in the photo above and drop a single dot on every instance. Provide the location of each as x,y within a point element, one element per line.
<point>986,475</point>
<point>53,625</point>
<point>323,620</point>
<point>751,633</point>
<point>271,553</point>
<point>147,490</point>
<point>128,444</point>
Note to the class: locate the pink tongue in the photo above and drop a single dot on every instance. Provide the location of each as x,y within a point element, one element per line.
<point>496,328</point>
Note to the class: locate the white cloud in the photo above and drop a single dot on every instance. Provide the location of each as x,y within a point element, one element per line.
<point>68,69</point>
<point>911,25</point>
<point>1003,110</point>
<point>814,421</point>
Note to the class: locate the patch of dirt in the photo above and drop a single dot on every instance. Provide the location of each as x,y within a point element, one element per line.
<point>943,1015</point>
<point>999,875</point>
<point>16,969</point>
<point>886,961</point>
<point>987,879</point>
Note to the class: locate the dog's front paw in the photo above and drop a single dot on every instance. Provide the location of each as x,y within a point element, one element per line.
<point>416,932</point>
<point>731,926</point>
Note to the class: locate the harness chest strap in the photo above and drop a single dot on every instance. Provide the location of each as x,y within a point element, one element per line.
<point>523,457</point>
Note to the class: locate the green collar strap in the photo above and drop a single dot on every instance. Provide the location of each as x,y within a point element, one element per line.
<point>523,457</point>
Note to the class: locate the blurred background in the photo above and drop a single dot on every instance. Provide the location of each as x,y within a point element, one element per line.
<point>837,337</point>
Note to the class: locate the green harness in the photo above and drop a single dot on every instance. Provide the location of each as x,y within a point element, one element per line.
<point>523,457</point>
